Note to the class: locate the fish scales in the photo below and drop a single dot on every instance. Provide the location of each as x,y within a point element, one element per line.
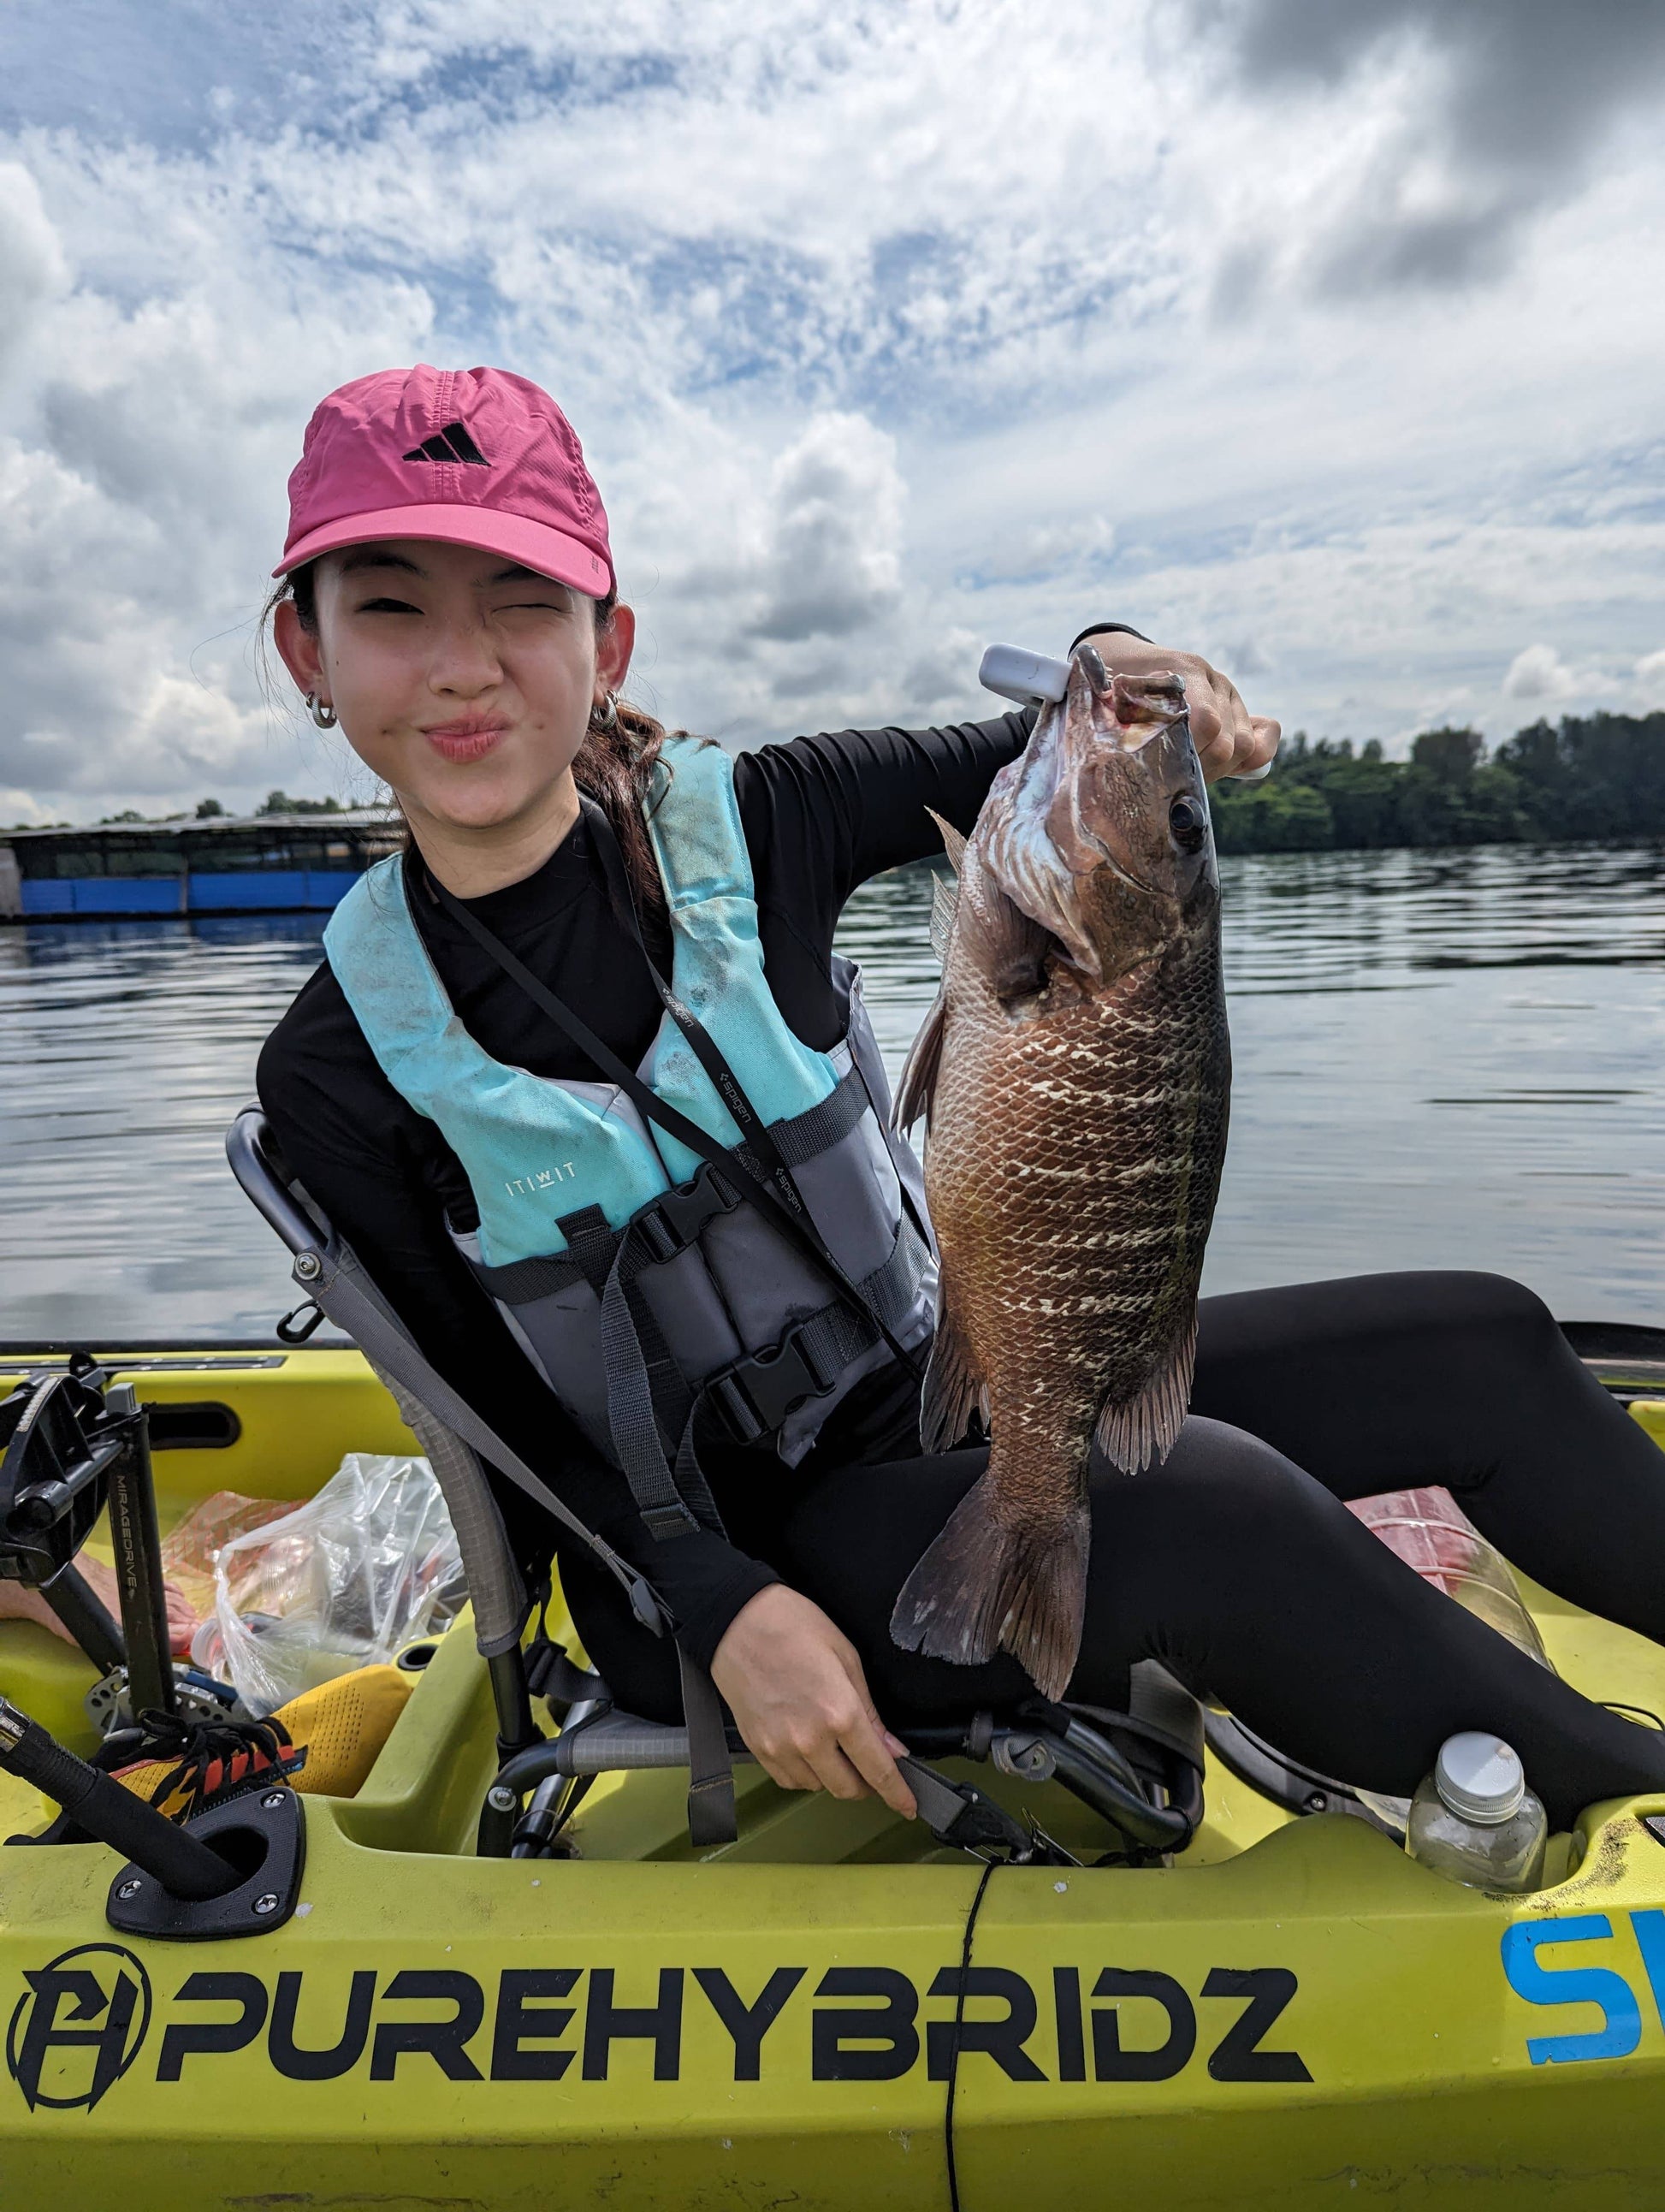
<point>1076,1074</point>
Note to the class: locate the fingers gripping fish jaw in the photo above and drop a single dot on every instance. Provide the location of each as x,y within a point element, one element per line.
<point>1140,704</point>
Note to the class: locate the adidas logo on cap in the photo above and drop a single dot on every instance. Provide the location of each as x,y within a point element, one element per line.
<point>450,444</point>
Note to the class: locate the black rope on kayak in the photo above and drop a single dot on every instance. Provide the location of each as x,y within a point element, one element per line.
<point>1634,1712</point>
<point>954,2044</point>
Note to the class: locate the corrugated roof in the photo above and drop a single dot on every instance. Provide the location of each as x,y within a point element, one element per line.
<point>216,825</point>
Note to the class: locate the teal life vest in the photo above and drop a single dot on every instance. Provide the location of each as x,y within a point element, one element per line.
<point>631,1270</point>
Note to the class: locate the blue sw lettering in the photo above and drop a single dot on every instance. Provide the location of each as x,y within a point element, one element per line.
<point>1621,2017</point>
<point>1649,1929</point>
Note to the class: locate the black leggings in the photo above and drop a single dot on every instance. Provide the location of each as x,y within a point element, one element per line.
<point>1236,1564</point>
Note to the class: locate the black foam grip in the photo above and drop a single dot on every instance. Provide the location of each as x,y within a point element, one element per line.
<point>184,1867</point>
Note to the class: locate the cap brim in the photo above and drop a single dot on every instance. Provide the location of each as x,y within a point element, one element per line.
<point>535,546</point>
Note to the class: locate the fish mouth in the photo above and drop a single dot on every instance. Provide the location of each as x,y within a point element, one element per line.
<point>1058,826</point>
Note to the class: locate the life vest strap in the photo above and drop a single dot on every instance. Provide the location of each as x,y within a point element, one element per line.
<point>711,1814</point>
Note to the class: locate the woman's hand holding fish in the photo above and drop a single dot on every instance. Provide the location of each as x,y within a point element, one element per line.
<point>1229,739</point>
<point>795,1687</point>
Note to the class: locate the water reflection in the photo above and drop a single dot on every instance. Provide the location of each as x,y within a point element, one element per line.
<point>1451,1059</point>
<point>1442,1059</point>
<point>126,1047</point>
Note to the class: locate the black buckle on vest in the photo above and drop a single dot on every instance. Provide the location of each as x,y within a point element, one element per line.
<point>757,1394</point>
<point>666,1521</point>
<point>672,1222</point>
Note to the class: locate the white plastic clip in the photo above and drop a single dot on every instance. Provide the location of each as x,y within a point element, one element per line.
<point>1023,677</point>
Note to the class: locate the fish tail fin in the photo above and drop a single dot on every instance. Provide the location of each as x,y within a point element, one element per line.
<point>1131,1432</point>
<point>983,1587</point>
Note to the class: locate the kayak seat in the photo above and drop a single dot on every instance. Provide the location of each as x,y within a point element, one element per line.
<point>1142,1770</point>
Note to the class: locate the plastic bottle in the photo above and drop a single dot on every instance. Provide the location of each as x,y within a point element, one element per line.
<point>1475,1821</point>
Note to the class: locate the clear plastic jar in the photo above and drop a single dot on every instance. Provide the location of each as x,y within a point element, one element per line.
<point>1475,1821</point>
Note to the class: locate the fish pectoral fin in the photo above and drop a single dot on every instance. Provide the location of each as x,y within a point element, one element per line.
<point>952,842</point>
<point>917,1088</point>
<point>1131,1432</point>
<point>983,1587</point>
<point>1017,947</point>
<point>954,1388</point>
<point>1014,948</point>
<point>945,901</point>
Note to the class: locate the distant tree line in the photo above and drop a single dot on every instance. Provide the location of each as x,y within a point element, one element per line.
<point>210,810</point>
<point>1599,777</point>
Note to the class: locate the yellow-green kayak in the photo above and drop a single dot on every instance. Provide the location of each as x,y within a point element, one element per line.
<point>1292,2013</point>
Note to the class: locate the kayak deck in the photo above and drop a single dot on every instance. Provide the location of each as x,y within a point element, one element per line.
<point>284,1420</point>
<point>1293,2014</point>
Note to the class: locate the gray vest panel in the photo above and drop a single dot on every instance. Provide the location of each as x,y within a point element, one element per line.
<point>746,1319</point>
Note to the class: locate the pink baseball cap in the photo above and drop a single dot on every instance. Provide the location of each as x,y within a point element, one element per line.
<point>469,456</point>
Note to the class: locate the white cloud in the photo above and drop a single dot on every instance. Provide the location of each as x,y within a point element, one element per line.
<point>1539,673</point>
<point>886,332</point>
<point>1649,678</point>
<point>831,565</point>
<point>21,809</point>
<point>32,268</point>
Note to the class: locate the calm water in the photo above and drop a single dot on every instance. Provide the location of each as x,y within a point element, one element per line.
<point>1442,1059</point>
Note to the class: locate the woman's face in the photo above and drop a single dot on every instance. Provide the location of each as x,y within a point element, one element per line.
<point>460,679</point>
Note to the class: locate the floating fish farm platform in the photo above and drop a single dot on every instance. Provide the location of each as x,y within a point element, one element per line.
<point>224,864</point>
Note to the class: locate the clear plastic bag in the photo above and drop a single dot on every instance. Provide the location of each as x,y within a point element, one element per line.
<point>344,1581</point>
<point>193,1546</point>
<point>1430,1532</point>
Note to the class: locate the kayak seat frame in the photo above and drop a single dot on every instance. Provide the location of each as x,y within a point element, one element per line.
<point>1142,1770</point>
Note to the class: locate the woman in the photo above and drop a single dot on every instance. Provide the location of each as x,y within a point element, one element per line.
<point>449,599</point>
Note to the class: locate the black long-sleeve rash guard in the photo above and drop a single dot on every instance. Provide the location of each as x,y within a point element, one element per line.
<point>820,815</point>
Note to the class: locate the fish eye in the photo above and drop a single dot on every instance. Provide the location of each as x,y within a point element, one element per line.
<point>1188,822</point>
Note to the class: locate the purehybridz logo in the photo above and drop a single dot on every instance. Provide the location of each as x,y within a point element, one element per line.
<point>450,444</point>
<point>93,2004</point>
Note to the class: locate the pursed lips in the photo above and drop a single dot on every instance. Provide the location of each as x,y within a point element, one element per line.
<point>466,740</point>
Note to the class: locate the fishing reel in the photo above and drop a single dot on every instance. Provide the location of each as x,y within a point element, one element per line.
<point>72,1443</point>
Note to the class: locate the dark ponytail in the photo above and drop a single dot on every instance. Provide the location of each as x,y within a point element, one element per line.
<point>613,766</point>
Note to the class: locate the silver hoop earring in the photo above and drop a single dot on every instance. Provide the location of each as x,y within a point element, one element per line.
<point>323,714</point>
<point>606,717</point>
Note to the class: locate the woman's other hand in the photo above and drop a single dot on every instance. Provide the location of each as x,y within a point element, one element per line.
<point>1230,740</point>
<point>794,1685</point>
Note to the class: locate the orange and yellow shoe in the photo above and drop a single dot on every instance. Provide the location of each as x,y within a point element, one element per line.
<point>323,1742</point>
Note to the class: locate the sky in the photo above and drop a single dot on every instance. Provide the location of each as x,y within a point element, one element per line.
<point>1323,340</point>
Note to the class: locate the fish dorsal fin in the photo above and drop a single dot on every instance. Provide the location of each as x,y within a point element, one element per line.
<point>945,903</point>
<point>952,843</point>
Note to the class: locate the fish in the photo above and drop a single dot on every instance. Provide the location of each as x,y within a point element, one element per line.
<point>1074,1075</point>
